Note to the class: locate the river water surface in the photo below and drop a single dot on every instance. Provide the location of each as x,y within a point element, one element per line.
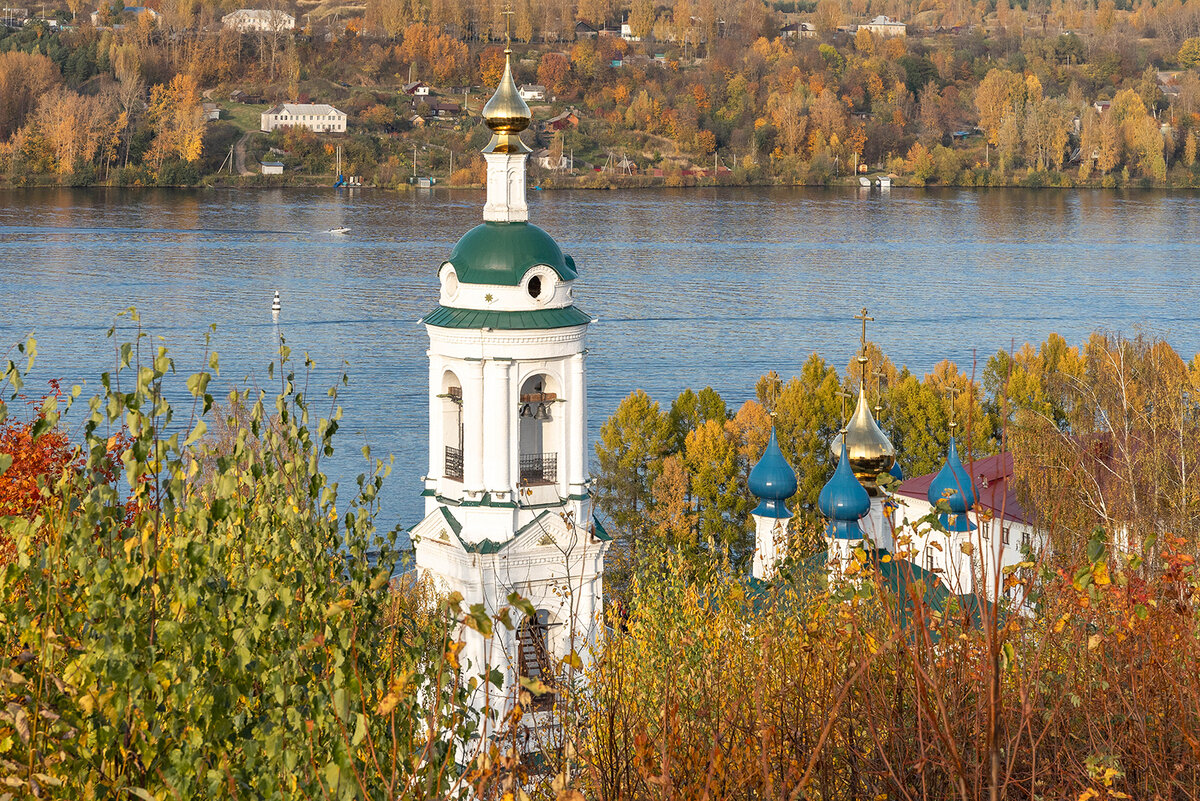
<point>691,287</point>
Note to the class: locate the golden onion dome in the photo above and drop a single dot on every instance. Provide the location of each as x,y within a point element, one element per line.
<point>506,112</point>
<point>868,448</point>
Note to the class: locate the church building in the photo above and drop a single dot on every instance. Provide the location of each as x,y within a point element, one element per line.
<point>507,493</point>
<point>980,529</point>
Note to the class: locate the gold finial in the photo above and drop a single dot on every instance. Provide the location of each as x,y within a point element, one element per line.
<point>506,113</point>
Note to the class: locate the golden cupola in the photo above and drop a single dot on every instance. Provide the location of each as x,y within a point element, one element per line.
<point>869,450</point>
<point>507,114</point>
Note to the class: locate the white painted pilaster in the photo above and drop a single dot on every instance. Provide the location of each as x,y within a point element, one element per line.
<point>576,443</point>
<point>497,415</point>
<point>436,441</point>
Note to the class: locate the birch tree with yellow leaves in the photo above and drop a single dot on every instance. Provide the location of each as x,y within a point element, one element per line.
<point>177,116</point>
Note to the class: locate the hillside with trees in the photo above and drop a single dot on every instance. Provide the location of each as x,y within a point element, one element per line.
<point>694,91</point>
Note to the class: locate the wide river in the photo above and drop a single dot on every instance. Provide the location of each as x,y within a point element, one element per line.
<point>691,287</point>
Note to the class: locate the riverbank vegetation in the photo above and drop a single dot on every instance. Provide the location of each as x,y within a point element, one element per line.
<point>190,609</point>
<point>693,92</point>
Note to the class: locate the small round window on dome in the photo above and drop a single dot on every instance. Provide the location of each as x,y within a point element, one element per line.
<point>534,287</point>
<point>450,285</point>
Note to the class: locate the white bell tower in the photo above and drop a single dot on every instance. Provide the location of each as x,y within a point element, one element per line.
<point>507,492</point>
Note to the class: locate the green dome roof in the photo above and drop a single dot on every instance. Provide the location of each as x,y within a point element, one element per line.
<point>501,253</point>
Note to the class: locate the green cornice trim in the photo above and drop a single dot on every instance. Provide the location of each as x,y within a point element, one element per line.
<point>528,526</point>
<point>566,317</point>
<point>455,526</point>
<point>601,534</point>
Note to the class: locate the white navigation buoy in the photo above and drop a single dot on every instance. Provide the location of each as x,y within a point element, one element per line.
<point>275,307</point>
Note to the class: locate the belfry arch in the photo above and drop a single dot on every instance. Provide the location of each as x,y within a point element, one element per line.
<point>540,425</point>
<point>452,425</point>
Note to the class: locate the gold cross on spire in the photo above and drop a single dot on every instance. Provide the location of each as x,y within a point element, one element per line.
<point>508,15</point>
<point>862,356</point>
<point>865,319</point>
<point>844,396</point>
<point>953,391</point>
<point>879,376</point>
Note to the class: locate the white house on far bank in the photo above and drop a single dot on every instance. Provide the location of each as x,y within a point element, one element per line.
<point>531,91</point>
<point>885,26</point>
<point>318,117</point>
<point>263,20</point>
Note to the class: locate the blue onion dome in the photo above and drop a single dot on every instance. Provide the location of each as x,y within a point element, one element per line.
<point>844,501</point>
<point>953,484</point>
<point>869,449</point>
<point>896,472</point>
<point>772,481</point>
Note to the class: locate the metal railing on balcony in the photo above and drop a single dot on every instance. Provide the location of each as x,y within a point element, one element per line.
<point>539,468</point>
<point>454,463</point>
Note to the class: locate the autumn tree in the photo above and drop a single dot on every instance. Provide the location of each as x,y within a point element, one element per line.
<point>75,128</point>
<point>717,480</point>
<point>930,113</point>
<point>786,111</point>
<point>999,96</point>
<point>178,120</point>
<point>24,79</point>
<point>1189,53</point>
<point>1047,132</point>
<point>692,409</point>
<point>828,16</point>
<point>435,53</point>
<point>553,71</point>
<point>491,65</point>
<point>641,18</point>
<point>919,162</point>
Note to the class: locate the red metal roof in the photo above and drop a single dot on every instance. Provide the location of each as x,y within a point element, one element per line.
<point>993,487</point>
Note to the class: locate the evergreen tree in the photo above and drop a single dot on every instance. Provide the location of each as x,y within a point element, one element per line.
<point>629,456</point>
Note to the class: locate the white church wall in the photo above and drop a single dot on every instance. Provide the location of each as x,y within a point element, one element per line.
<point>994,545</point>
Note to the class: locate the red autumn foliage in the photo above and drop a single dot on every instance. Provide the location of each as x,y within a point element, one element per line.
<point>37,463</point>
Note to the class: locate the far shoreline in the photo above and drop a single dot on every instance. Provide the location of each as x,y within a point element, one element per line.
<point>597,183</point>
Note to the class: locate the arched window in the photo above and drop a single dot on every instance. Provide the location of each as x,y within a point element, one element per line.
<point>452,426</point>
<point>538,447</point>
